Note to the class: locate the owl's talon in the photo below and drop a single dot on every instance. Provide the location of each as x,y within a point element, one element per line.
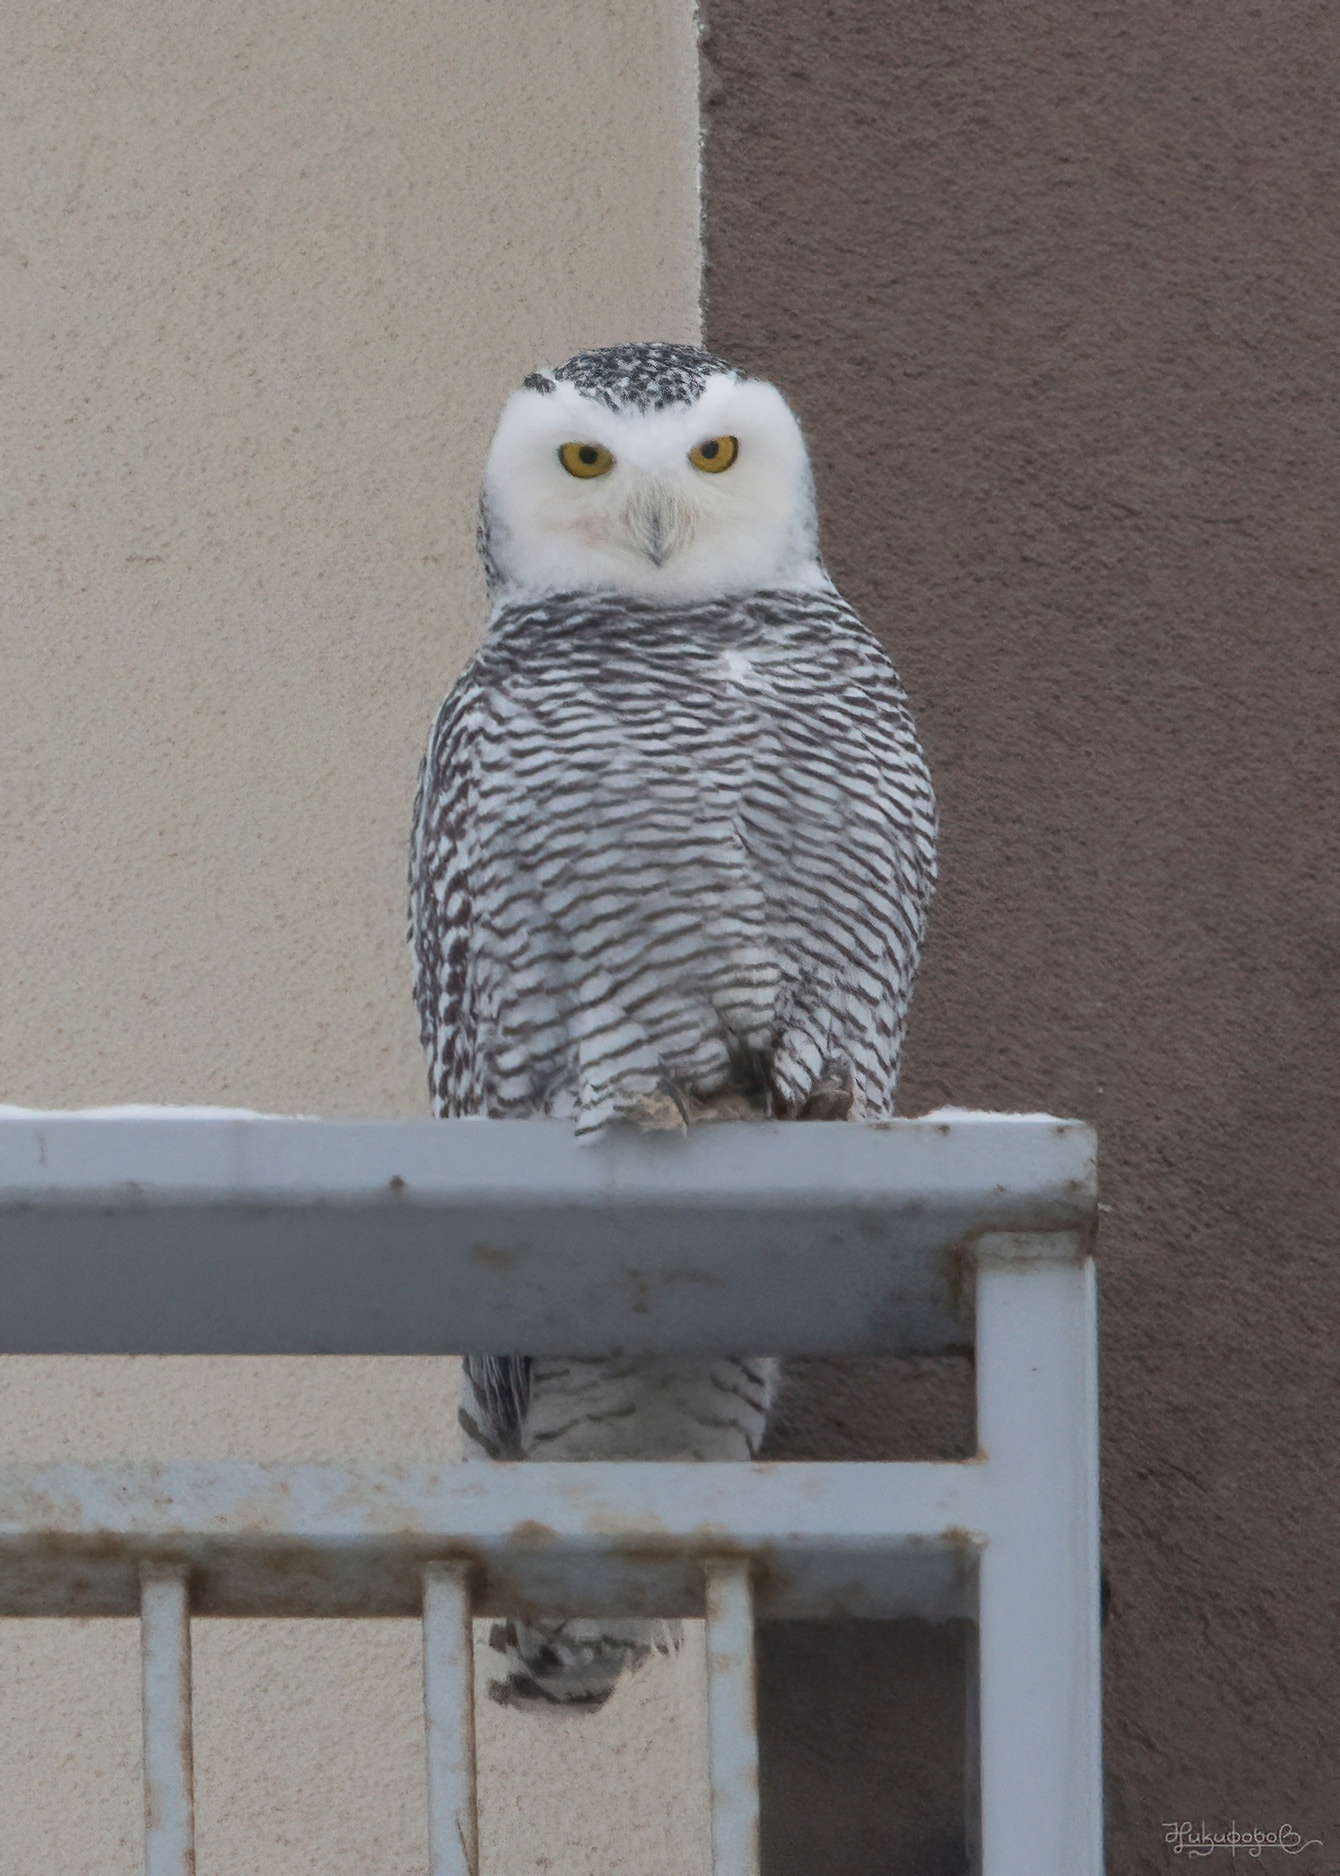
<point>731,1105</point>
<point>655,1113</point>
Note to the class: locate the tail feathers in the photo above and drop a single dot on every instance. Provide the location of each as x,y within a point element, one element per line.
<point>495,1397</point>
<point>574,1662</point>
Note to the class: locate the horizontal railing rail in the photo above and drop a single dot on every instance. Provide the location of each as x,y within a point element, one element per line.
<point>562,1539</point>
<point>261,1235</point>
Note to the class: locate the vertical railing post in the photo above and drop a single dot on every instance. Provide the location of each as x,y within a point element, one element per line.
<point>449,1717</point>
<point>1038,1636</point>
<point>732,1718</point>
<point>165,1652</point>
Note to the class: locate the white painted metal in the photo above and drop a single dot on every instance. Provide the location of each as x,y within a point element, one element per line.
<point>170,1235</point>
<point>732,1718</point>
<point>1038,1624</point>
<point>577,1539</point>
<point>165,1650</point>
<point>394,1237</point>
<point>449,1714</point>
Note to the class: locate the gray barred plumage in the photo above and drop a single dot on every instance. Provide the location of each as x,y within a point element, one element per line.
<point>671,862</point>
<point>670,850</point>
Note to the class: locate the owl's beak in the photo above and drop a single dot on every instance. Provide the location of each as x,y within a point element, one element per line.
<point>659,523</point>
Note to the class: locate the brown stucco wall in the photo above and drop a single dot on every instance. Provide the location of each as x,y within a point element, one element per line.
<point>1054,288</point>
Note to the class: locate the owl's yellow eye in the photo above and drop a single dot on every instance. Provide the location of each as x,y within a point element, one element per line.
<point>585,460</point>
<point>716,454</point>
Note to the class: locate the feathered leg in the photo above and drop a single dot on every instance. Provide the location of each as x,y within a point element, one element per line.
<point>670,1407</point>
<point>614,1408</point>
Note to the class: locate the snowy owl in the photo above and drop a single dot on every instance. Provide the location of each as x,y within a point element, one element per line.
<point>673,849</point>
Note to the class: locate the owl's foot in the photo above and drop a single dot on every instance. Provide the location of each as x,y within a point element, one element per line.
<point>729,1104</point>
<point>829,1101</point>
<point>658,1112</point>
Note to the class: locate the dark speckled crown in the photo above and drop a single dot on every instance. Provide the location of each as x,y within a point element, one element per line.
<point>637,377</point>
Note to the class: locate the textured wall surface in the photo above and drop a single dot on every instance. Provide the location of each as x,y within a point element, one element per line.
<point>1054,287</point>
<point>268,272</point>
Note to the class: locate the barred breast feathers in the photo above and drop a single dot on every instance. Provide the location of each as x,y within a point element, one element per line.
<point>670,851</point>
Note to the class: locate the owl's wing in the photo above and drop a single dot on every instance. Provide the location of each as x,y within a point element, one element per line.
<point>440,896</point>
<point>838,816</point>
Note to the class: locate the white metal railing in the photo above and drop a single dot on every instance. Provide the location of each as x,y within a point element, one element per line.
<point>401,1237</point>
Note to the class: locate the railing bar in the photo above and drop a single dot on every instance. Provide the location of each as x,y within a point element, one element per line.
<point>165,1652</point>
<point>449,1717</point>
<point>732,1719</point>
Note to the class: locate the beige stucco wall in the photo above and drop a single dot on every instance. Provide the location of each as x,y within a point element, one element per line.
<point>268,272</point>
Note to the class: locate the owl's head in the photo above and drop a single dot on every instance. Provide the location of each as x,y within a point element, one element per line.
<point>653,470</point>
